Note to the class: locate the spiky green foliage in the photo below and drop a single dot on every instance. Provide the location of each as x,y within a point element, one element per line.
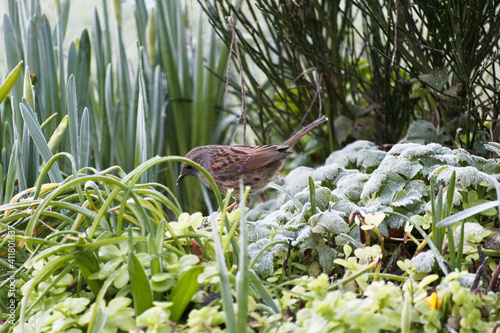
<point>124,112</point>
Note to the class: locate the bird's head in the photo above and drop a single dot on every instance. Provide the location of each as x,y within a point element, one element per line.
<point>198,155</point>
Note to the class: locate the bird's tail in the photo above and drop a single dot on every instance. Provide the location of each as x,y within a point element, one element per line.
<point>293,140</point>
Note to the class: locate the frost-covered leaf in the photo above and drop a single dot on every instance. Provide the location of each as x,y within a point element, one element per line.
<point>297,179</point>
<point>257,231</point>
<point>383,186</point>
<point>473,232</point>
<point>323,197</point>
<point>412,193</point>
<point>303,234</point>
<point>405,168</point>
<point>421,131</point>
<point>413,151</point>
<point>423,262</point>
<point>312,241</point>
<point>326,257</point>
<point>330,221</point>
<point>264,265</point>
<point>493,146</point>
<point>467,280</point>
<point>350,186</point>
<point>465,176</point>
<point>361,154</point>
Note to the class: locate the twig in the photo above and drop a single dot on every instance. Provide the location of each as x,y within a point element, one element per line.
<point>234,42</point>
<point>494,279</point>
<point>475,283</point>
<point>395,35</point>
<point>288,253</point>
<point>317,95</point>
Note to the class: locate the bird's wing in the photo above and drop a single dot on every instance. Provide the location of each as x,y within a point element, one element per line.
<point>250,158</point>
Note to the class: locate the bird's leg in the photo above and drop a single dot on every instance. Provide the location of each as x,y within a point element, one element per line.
<point>237,203</point>
<point>232,205</point>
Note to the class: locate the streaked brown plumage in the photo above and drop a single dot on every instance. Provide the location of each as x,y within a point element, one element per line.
<point>257,165</point>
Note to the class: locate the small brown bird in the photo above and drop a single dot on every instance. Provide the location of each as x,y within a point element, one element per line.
<point>257,165</point>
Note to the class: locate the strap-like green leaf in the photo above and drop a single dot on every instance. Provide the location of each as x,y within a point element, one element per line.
<point>139,284</point>
<point>183,292</point>
<point>9,82</point>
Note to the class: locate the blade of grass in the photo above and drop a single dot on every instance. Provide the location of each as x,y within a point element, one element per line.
<point>462,215</point>
<point>84,140</point>
<point>225,283</point>
<point>243,276</point>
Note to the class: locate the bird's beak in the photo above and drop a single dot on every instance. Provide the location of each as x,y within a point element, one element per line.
<point>180,178</point>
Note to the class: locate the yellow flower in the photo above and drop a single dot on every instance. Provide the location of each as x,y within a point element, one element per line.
<point>433,301</point>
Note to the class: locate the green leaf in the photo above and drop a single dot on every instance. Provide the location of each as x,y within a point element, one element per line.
<point>183,292</point>
<point>87,263</point>
<point>84,140</point>
<point>58,135</point>
<point>139,285</point>
<point>39,140</point>
<point>11,173</point>
<point>82,75</point>
<point>9,81</point>
<point>72,109</point>
<point>460,216</point>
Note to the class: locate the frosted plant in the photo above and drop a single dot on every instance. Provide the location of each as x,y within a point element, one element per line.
<point>423,262</point>
<point>466,281</point>
<point>331,221</point>
<point>361,154</point>
<point>361,177</point>
<point>465,176</point>
<point>493,146</point>
<point>350,186</point>
<point>421,131</point>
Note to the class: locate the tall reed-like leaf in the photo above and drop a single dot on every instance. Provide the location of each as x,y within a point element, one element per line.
<point>39,140</point>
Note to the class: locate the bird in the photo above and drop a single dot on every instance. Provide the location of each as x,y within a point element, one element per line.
<point>257,165</point>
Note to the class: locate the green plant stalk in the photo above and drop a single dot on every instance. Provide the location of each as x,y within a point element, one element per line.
<point>447,211</point>
<point>460,247</point>
<point>380,239</point>
<point>155,243</point>
<point>47,270</point>
<point>352,277</point>
<point>254,260</point>
<point>243,276</point>
<point>225,223</point>
<point>67,269</point>
<point>287,193</point>
<point>312,195</point>
<point>451,247</point>
<point>225,283</point>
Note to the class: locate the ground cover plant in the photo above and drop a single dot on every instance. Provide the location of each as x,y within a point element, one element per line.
<point>95,237</point>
